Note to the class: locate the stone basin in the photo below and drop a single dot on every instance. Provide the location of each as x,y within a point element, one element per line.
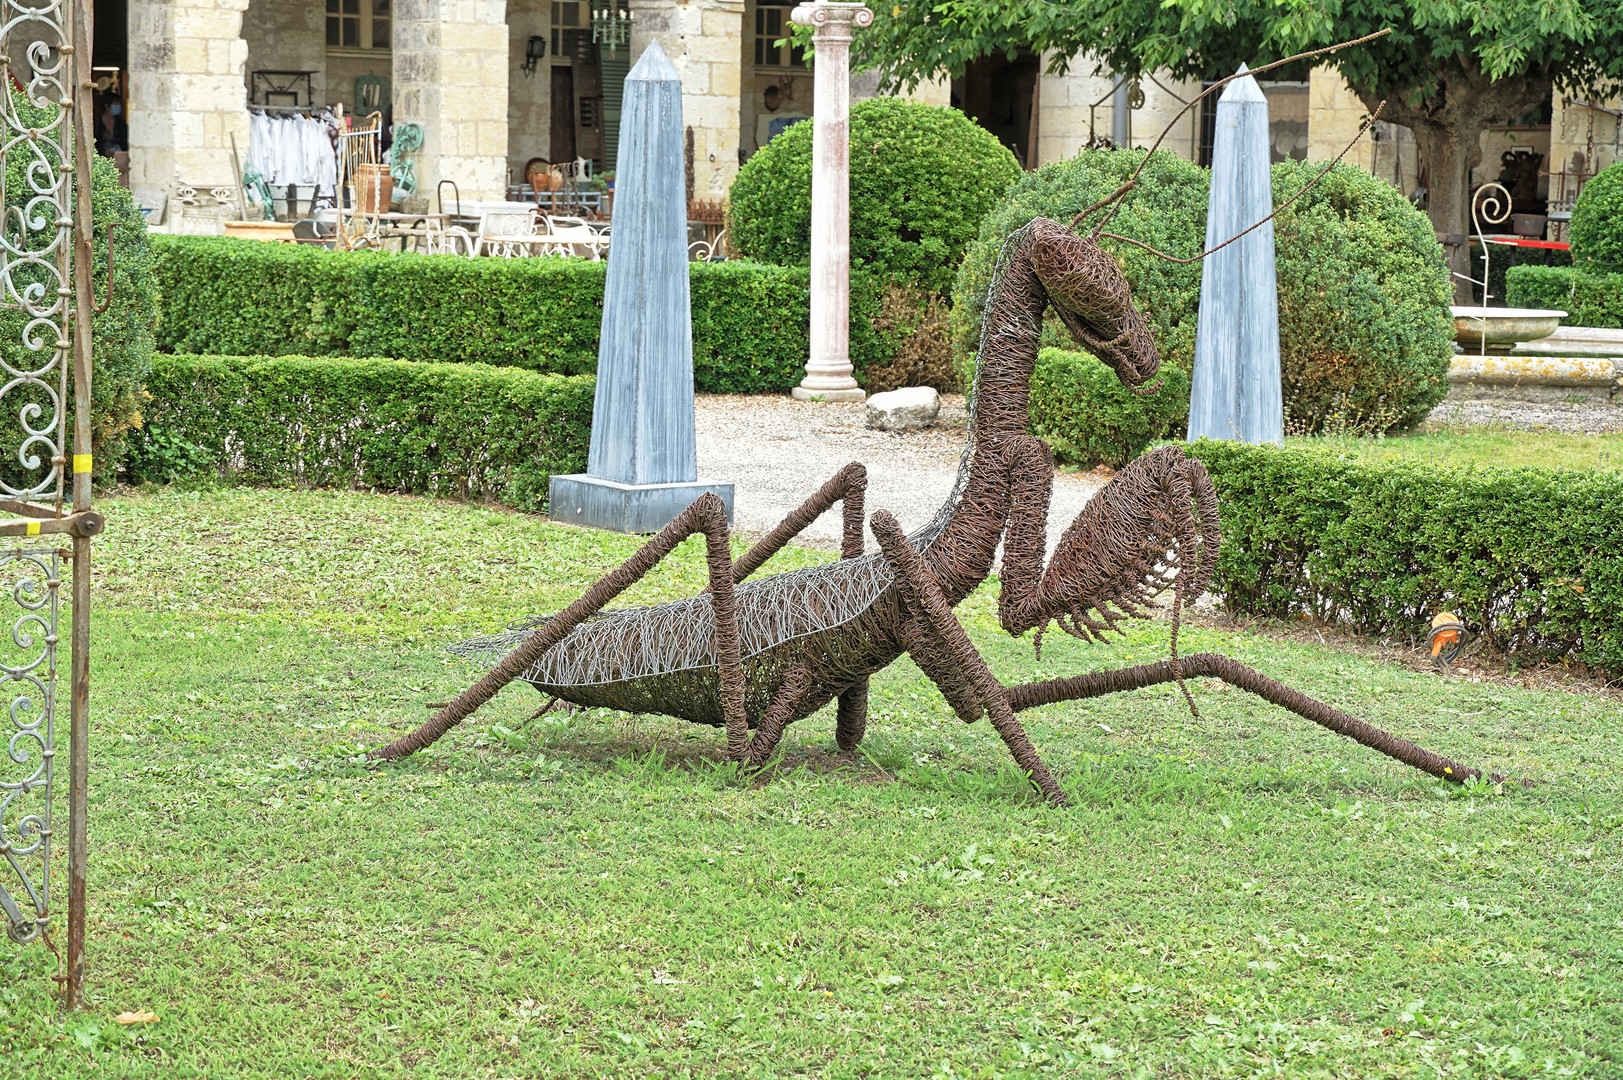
<point>1503,327</point>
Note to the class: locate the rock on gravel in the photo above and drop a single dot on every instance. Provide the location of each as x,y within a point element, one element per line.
<point>905,409</point>
<point>777,451</point>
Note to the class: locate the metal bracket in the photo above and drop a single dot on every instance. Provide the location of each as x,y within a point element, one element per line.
<point>107,303</point>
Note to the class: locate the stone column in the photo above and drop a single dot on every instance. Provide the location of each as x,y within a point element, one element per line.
<point>187,95</point>
<point>450,75</point>
<point>828,372</point>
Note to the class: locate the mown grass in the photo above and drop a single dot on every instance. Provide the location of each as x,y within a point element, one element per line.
<point>1442,444</point>
<point>601,895</point>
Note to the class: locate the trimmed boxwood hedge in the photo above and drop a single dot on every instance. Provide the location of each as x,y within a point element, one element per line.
<point>1589,298</point>
<point>455,430</point>
<point>1525,556</point>
<point>751,321</point>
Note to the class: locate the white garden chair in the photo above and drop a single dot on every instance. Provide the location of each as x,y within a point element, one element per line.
<point>442,239</point>
<point>507,234</point>
<point>575,236</point>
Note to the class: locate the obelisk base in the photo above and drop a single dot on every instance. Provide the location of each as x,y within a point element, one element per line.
<point>596,503</point>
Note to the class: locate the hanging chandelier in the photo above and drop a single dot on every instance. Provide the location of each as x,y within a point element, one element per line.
<point>611,24</point>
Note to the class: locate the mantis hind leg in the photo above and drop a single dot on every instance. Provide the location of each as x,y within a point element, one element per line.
<point>706,515</point>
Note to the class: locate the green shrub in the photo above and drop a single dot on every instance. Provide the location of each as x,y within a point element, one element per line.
<point>223,296</point>
<point>460,430</point>
<point>1084,412</point>
<point>912,327</point>
<point>1597,223</point>
<point>1166,211</point>
<point>121,337</point>
<point>1589,298</point>
<point>922,177</point>
<point>1364,331</point>
<point>1526,556</point>
<point>540,314</point>
<point>1365,335</point>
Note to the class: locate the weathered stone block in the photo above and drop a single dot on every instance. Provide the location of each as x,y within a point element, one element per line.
<point>905,409</point>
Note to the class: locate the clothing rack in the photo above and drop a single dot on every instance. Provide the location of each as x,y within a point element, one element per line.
<point>325,189</point>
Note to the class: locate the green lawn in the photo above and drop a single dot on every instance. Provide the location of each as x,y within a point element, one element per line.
<point>600,896</point>
<point>1440,444</point>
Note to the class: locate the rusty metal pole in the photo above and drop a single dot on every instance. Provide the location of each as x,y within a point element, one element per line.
<point>79,707</point>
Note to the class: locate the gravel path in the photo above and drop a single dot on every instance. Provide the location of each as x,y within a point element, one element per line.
<point>1527,416</point>
<point>777,451</point>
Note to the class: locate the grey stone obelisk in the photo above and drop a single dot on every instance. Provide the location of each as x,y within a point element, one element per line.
<point>642,468</point>
<point>1236,391</point>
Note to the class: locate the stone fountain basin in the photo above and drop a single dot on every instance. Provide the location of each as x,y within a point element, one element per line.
<point>1503,326</point>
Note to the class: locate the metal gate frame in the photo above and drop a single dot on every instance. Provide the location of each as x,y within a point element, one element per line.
<point>46,280</point>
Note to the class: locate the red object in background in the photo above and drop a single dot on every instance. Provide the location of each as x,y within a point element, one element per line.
<point>1524,241</point>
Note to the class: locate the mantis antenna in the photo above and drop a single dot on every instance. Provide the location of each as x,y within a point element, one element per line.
<point>1113,200</point>
<point>1300,192</point>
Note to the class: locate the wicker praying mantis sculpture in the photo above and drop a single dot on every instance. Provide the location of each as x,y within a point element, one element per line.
<point>762,654</point>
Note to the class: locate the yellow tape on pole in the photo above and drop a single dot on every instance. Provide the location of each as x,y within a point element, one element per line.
<point>81,463</point>
<point>33,528</point>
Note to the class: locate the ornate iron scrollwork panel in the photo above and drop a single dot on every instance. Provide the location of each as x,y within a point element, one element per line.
<point>36,308</point>
<point>33,581</point>
<point>36,236</point>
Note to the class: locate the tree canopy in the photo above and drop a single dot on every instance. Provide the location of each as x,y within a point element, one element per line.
<point>1447,69</point>
<point>1576,44</point>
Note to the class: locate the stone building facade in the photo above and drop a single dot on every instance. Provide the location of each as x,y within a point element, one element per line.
<point>497,84</point>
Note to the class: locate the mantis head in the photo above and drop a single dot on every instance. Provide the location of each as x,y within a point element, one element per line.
<point>1086,287</point>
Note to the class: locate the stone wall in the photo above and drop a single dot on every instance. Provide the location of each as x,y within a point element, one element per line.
<point>450,76</point>
<point>286,35</point>
<point>187,94</point>
<point>1578,130</point>
<point>704,41</point>
<point>1066,104</point>
<point>529,96</point>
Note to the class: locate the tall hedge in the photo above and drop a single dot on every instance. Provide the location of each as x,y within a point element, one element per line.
<point>922,177</point>
<point>1526,556</point>
<point>1596,231</point>
<point>751,321</point>
<point>121,336</point>
<point>1364,330</point>
<point>1590,298</point>
<point>459,430</point>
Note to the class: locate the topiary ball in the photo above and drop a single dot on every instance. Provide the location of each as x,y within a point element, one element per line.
<point>1167,211</point>
<point>922,178</point>
<point>1596,232</point>
<point>1365,334</point>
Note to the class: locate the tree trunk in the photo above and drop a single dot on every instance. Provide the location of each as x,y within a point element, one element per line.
<point>1447,127</point>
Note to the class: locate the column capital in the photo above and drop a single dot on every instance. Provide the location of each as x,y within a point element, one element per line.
<point>829,19</point>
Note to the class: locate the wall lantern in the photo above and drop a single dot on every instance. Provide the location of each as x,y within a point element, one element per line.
<point>535,50</point>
